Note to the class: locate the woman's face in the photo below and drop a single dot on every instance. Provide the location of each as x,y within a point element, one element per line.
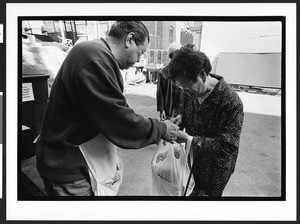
<point>196,88</point>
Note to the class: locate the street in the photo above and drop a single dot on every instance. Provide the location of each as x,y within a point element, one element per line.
<point>258,168</point>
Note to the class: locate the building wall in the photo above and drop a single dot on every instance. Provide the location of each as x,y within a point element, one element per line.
<point>166,40</point>
<point>159,41</point>
<point>34,25</point>
<point>251,69</point>
<point>151,28</point>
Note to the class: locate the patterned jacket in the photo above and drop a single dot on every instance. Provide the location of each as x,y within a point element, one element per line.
<point>219,120</point>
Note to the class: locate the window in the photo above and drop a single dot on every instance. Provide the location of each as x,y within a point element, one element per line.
<point>171,34</point>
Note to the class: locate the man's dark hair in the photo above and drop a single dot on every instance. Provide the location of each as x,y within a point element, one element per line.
<point>189,63</point>
<point>121,28</point>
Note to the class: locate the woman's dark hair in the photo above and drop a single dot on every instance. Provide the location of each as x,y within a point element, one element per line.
<point>121,28</point>
<point>191,46</point>
<point>188,63</point>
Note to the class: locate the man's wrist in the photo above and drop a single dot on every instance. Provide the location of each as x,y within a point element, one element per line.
<point>164,129</point>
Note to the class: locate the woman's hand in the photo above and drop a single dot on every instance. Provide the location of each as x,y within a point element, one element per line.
<point>176,120</point>
<point>182,137</point>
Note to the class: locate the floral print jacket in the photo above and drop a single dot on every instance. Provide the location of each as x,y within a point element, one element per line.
<point>219,119</point>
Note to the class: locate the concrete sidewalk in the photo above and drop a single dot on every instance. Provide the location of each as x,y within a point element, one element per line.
<point>258,169</point>
<point>253,103</point>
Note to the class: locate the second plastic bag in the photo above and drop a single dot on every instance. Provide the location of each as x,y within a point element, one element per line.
<point>170,169</point>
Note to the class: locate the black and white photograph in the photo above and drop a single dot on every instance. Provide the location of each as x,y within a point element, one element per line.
<point>245,55</point>
<point>156,110</point>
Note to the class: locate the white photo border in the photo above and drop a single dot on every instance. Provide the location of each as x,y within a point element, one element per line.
<point>148,210</point>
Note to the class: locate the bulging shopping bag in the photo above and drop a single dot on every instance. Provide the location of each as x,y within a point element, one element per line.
<point>170,169</point>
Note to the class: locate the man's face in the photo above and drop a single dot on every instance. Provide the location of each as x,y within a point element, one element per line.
<point>133,52</point>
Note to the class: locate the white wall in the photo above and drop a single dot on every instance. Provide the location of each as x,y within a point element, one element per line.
<point>252,69</point>
<point>240,37</point>
<point>179,26</point>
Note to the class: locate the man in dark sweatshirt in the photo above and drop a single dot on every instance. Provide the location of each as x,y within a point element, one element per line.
<point>87,99</point>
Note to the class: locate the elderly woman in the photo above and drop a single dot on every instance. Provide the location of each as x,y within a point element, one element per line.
<point>212,113</point>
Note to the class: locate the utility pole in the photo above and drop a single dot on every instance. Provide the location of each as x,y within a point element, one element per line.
<point>62,31</point>
<point>75,30</point>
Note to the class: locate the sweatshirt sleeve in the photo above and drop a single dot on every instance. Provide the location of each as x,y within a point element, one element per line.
<point>102,98</point>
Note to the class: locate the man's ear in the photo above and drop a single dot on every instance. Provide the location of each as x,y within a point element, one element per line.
<point>129,39</point>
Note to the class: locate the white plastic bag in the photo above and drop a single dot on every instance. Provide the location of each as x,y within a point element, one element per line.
<point>170,170</point>
<point>105,166</point>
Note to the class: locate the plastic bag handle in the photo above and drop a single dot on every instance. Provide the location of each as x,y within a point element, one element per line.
<point>188,148</point>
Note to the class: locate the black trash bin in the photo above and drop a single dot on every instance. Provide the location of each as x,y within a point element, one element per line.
<point>34,102</point>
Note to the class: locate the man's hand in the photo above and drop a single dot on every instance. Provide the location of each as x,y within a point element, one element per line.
<point>176,120</point>
<point>171,132</point>
<point>162,115</point>
<point>182,137</point>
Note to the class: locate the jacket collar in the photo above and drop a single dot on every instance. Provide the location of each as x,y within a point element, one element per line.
<point>215,96</point>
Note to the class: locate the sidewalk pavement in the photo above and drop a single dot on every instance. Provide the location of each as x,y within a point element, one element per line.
<point>253,103</point>
<point>258,169</point>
